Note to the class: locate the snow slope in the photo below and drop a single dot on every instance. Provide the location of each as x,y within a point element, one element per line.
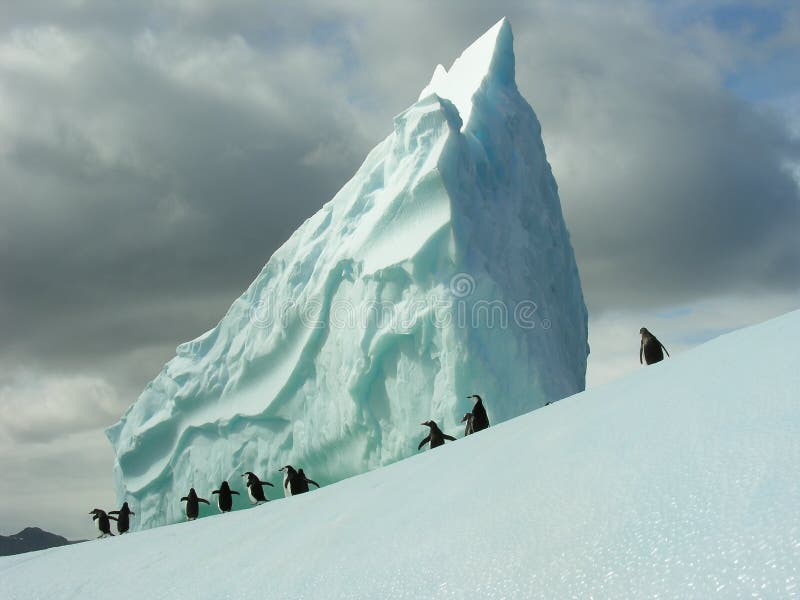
<point>680,481</point>
<point>442,269</point>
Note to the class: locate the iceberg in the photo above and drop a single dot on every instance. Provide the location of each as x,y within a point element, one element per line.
<point>443,268</point>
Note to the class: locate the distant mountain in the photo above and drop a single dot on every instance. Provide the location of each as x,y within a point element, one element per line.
<point>30,539</point>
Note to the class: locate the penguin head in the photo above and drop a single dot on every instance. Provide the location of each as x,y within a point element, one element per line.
<point>288,468</point>
<point>427,423</point>
<point>224,485</point>
<point>467,417</point>
<point>477,398</point>
<point>97,511</point>
<point>644,331</point>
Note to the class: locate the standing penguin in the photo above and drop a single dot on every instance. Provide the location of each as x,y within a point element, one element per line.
<point>468,427</point>
<point>291,481</point>
<point>294,482</point>
<point>303,482</point>
<point>480,420</point>
<point>102,520</point>
<point>193,504</point>
<point>123,518</point>
<point>255,491</point>
<point>651,348</point>
<point>436,437</point>
<point>225,497</point>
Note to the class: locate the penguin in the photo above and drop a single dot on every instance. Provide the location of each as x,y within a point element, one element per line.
<point>651,348</point>
<point>303,482</point>
<point>290,480</point>
<point>468,427</point>
<point>293,482</point>
<point>480,420</point>
<point>102,520</point>
<point>123,518</point>
<point>436,437</point>
<point>225,497</point>
<point>255,491</point>
<point>193,504</point>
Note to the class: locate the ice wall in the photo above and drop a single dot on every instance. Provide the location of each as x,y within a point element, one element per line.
<point>442,268</point>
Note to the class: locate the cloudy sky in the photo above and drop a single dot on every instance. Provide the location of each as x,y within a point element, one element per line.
<point>154,154</point>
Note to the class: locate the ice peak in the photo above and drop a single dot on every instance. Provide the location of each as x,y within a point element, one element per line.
<point>490,57</point>
<point>381,310</point>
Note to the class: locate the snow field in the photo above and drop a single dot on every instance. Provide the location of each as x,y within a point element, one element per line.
<point>677,482</point>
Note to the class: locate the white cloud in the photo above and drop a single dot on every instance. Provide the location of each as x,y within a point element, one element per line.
<point>41,408</point>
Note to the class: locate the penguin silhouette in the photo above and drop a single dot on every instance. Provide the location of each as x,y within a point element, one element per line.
<point>255,491</point>
<point>295,482</point>
<point>436,437</point>
<point>303,482</point>
<point>480,420</point>
<point>467,419</point>
<point>650,347</point>
<point>225,497</point>
<point>102,520</point>
<point>193,504</point>
<point>123,518</point>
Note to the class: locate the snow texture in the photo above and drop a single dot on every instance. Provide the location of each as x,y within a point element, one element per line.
<point>442,268</point>
<point>679,481</point>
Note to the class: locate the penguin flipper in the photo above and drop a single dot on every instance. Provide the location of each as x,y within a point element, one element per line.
<point>233,492</point>
<point>449,437</point>
<point>312,481</point>
<point>112,518</point>
<point>266,483</point>
<point>184,499</point>
<point>204,500</point>
<point>423,442</point>
<point>215,492</point>
<point>113,512</point>
<point>133,513</point>
<point>665,348</point>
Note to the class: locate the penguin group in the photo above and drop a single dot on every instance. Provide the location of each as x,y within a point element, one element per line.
<point>476,420</point>
<point>296,482</point>
<point>103,520</point>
